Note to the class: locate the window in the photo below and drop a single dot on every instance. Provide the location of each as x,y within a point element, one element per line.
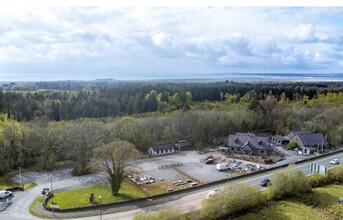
<point>262,151</point>
<point>233,148</point>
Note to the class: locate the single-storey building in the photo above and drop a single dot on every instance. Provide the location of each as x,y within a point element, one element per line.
<point>308,142</point>
<point>249,144</point>
<point>183,145</point>
<point>161,149</point>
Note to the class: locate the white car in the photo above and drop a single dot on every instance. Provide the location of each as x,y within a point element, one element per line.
<point>334,161</point>
<point>5,193</point>
<point>213,192</point>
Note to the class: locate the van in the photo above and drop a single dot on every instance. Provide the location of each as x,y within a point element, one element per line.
<point>5,193</point>
<point>222,166</point>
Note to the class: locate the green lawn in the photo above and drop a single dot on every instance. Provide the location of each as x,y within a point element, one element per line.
<point>319,205</point>
<point>80,197</point>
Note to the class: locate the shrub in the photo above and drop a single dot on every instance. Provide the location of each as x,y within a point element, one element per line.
<point>336,174</point>
<point>231,201</point>
<point>289,183</point>
<point>292,145</point>
<point>163,214</point>
<point>317,180</point>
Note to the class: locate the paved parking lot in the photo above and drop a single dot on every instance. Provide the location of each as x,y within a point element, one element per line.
<point>191,164</point>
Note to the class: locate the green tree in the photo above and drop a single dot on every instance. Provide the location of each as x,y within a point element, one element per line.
<point>114,158</point>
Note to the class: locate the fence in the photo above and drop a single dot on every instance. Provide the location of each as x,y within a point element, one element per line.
<point>187,175</point>
<point>141,202</point>
<point>171,165</point>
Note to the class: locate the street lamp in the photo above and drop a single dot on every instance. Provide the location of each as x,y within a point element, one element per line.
<point>52,196</point>
<point>100,208</point>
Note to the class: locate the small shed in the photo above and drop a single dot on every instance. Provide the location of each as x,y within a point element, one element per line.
<point>183,145</point>
<point>161,149</point>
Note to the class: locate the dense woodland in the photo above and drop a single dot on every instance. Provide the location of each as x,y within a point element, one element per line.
<point>44,123</point>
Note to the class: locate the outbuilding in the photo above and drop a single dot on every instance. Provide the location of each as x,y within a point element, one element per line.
<point>183,145</point>
<point>161,149</point>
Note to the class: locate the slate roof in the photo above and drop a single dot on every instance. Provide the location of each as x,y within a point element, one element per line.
<point>163,147</point>
<point>301,132</point>
<point>280,138</point>
<point>183,143</point>
<point>248,139</point>
<point>311,139</point>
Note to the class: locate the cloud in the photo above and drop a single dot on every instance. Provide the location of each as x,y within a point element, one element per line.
<point>137,40</point>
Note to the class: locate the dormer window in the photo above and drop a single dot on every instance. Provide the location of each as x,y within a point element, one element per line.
<point>236,140</point>
<point>259,142</point>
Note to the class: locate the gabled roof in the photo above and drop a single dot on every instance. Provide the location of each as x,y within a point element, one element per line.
<point>301,132</point>
<point>248,139</point>
<point>183,143</point>
<point>163,147</point>
<point>311,139</point>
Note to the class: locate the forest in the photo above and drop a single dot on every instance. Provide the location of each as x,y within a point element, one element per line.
<point>44,123</point>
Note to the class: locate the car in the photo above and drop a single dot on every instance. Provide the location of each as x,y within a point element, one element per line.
<point>265,182</point>
<point>193,184</point>
<point>340,199</point>
<point>209,161</point>
<point>209,157</point>
<point>5,193</point>
<point>334,161</point>
<point>213,192</point>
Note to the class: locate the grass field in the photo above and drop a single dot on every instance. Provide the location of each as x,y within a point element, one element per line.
<point>80,197</point>
<point>322,204</point>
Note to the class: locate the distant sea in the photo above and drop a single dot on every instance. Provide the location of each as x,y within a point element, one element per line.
<point>250,77</point>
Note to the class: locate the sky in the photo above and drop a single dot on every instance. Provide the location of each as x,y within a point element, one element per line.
<point>59,43</point>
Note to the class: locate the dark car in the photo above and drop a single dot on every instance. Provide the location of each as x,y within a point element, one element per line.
<point>209,161</point>
<point>265,182</point>
<point>209,157</point>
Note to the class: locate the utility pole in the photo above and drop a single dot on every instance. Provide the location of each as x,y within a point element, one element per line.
<point>21,183</point>
<point>100,208</point>
<point>52,197</point>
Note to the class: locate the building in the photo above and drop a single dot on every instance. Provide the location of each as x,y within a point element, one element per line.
<point>279,140</point>
<point>308,142</point>
<point>249,144</point>
<point>183,145</point>
<point>161,149</point>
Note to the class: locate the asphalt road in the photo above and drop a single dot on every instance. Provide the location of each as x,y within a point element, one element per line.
<point>18,210</point>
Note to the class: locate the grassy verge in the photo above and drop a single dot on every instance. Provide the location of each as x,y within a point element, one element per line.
<point>5,181</point>
<point>80,197</point>
<point>321,204</point>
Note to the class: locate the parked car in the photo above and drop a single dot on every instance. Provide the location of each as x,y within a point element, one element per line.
<point>213,192</point>
<point>5,193</point>
<point>340,200</point>
<point>265,182</point>
<point>334,161</point>
<point>209,157</point>
<point>209,161</point>
<point>193,184</point>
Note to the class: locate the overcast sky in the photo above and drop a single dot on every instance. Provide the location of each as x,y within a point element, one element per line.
<point>131,43</point>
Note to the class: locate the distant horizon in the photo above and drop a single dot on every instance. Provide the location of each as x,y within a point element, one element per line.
<point>131,43</point>
<point>207,77</point>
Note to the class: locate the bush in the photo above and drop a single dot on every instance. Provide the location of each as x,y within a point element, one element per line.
<point>336,174</point>
<point>231,201</point>
<point>292,145</point>
<point>163,214</point>
<point>317,180</point>
<point>289,183</point>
